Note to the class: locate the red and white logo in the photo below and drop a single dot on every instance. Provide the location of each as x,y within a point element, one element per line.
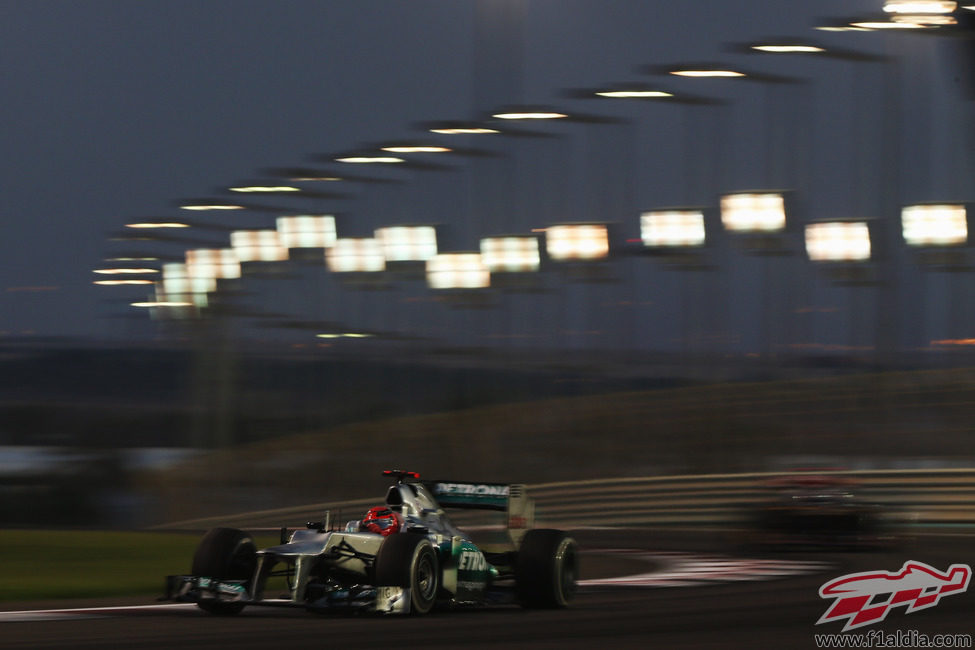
<point>866,598</point>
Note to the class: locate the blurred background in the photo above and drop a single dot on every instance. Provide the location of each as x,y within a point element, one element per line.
<point>254,253</point>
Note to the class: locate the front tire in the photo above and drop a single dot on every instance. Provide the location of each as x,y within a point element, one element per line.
<point>546,569</point>
<point>225,554</point>
<point>409,561</point>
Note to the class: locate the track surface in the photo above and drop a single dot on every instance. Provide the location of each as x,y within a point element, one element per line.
<point>692,598</point>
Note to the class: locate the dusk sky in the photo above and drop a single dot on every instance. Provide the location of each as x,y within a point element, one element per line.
<point>113,111</point>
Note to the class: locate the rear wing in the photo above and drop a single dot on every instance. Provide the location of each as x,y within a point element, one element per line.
<point>508,498</point>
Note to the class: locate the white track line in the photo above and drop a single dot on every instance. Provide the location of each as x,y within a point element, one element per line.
<point>689,569</point>
<point>83,612</point>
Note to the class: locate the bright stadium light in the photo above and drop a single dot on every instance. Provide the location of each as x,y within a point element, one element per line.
<point>920,6</point>
<point>577,241</point>
<point>178,284</point>
<point>258,246</point>
<point>458,271</point>
<point>356,255</point>
<point>935,225</point>
<point>408,243</point>
<point>515,254</point>
<point>219,264</point>
<point>880,25</point>
<point>838,241</point>
<point>307,231</point>
<point>924,20</point>
<point>753,212</point>
<point>672,228</point>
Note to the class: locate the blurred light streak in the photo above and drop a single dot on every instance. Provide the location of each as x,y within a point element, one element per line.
<point>934,225</point>
<point>838,241</point>
<point>635,94</point>
<point>464,130</point>
<point>577,241</point>
<point>924,20</point>
<point>879,25</point>
<point>157,224</point>
<point>920,6</point>
<point>841,28</point>
<point>789,49</point>
<point>124,271</point>
<point>256,189</point>
<point>162,303</point>
<point>201,207</point>
<point>954,342</point>
<point>113,283</point>
<point>705,73</point>
<point>672,228</point>
<point>530,115</point>
<point>366,160</point>
<point>458,271</point>
<point>417,149</point>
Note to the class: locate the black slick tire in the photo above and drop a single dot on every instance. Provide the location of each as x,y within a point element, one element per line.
<point>408,560</point>
<point>546,569</point>
<point>225,554</point>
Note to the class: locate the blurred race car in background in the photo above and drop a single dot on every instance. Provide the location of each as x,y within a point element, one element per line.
<point>404,556</point>
<point>818,510</point>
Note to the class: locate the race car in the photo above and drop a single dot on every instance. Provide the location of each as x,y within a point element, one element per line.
<point>819,510</point>
<point>403,557</point>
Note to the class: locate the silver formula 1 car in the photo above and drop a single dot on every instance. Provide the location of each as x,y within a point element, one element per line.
<point>403,557</point>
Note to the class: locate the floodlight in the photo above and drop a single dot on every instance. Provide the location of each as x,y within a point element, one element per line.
<point>356,255</point>
<point>672,228</point>
<point>838,241</point>
<point>510,254</point>
<point>458,271</point>
<point>258,246</point>
<point>753,212</point>
<point>219,264</point>
<point>935,225</point>
<point>408,243</point>
<point>307,231</point>
<point>575,241</point>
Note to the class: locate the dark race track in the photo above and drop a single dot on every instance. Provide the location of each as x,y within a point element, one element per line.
<point>697,599</point>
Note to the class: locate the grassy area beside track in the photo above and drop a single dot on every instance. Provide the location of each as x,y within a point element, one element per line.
<point>62,564</point>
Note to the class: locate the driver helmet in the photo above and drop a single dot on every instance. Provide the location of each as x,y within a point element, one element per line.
<point>382,520</point>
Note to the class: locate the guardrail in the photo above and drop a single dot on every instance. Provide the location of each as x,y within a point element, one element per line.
<point>921,497</point>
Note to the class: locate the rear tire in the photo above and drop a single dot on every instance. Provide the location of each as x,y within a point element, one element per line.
<point>546,569</point>
<point>409,561</point>
<point>225,554</point>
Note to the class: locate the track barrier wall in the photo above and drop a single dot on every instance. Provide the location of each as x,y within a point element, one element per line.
<point>918,498</point>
